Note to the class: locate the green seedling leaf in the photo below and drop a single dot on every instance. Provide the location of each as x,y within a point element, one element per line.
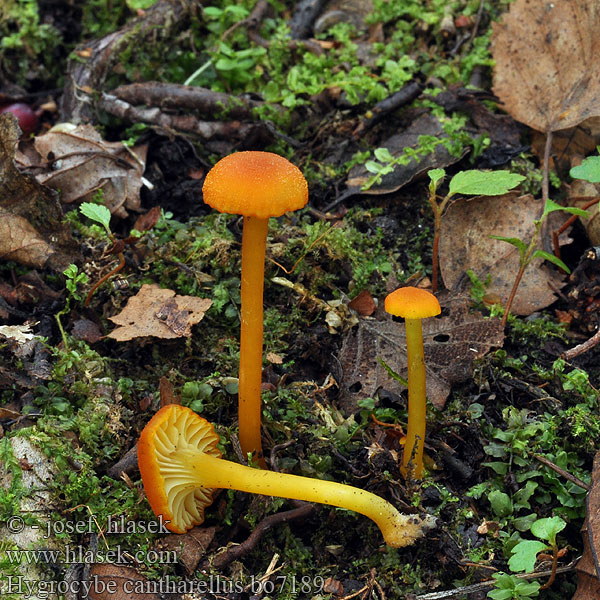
<point>484,183</point>
<point>546,529</point>
<point>436,176</point>
<point>524,555</point>
<point>509,587</point>
<point>372,166</point>
<point>501,503</point>
<point>551,258</point>
<point>588,170</point>
<point>516,242</point>
<point>552,206</point>
<point>383,155</point>
<point>96,212</point>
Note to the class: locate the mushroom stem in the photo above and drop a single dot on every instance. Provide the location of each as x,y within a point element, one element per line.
<point>412,460</point>
<point>211,472</point>
<point>254,240</point>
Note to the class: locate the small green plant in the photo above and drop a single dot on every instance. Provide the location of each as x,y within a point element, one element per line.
<point>588,170</point>
<point>98,213</point>
<point>510,587</point>
<point>528,251</point>
<point>74,279</point>
<point>524,554</point>
<point>468,183</point>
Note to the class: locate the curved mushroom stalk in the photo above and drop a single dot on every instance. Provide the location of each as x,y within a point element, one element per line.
<point>181,466</point>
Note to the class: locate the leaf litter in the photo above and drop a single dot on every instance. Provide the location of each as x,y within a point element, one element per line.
<point>451,343</point>
<point>158,312</point>
<point>543,52</point>
<point>465,244</point>
<point>76,161</point>
<point>31,229</point>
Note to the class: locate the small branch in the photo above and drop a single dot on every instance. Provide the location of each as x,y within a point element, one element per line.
<point>582,484</point>
<point>583,347</point>
<point>486,585</point>
<point>236,552</point>
<point>546,170</point>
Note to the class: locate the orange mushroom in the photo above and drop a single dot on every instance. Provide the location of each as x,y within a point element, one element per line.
<point>257,185</point>
<point>181,466</point>
<point>414,304</point>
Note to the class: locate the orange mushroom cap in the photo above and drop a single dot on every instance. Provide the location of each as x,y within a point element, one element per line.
<point>412,303</point>
<point>255,184</point>
<point>170,488</point>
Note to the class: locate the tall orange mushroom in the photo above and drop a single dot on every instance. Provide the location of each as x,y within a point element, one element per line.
<point>414,304</point>
<point>257,185</point>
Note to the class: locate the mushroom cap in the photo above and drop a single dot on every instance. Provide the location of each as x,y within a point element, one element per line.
<point>168,478</point>
<point>255,184</point>
<point>412,303</point>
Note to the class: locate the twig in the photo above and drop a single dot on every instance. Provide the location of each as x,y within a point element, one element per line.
<point>546,168</point>
<point>583,347</point>
<point>236,552</point>
<point>582,484</point>
<point>485,585</point>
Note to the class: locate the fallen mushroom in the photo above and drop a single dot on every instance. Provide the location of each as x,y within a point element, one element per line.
<point>181,466</point>
<point>257,185</point>
<point>414,304</point>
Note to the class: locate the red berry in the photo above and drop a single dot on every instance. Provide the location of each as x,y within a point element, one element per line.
<point>28,120</point>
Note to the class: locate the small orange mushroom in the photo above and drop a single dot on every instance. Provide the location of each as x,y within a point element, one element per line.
<point>257,185</point>
<point>181,466</point>
<point>414,304</point>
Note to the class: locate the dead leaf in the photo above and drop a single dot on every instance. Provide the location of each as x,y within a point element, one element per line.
<point>190,547</point>
<point>116,582</point>
<point>20,333</point>
<point>452,342</point>
<point>158,312</point>
<point>569,146</point>
<point>363,303</point>
<point>465,243</point>
<point>581,194</point>
<point>588,569</point>
<point>148,220</point>
<point>84,329</point>
<point>77,162</point>
<point>543,51</point>
<point>167,393</point>
<point>403,174</point>
<point>31,228</point>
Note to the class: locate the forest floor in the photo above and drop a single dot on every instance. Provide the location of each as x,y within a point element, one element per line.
<point>392,111</point>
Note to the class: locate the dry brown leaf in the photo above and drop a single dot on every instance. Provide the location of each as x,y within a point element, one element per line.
<point>452,342</point>
<point>588,569</point>
<point>31,228</point>
<point>581,194</point>
<point>190,547</point>
<point>158,312</point>
<point>77,162</point>
<point>117,582</point>
<point>465,244</point>
<point>427,124</point>
<point>544,52</point>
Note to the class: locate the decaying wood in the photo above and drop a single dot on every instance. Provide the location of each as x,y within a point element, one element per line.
<point>176,96</point>
<point>185,123</point>
<point>159,21</point>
